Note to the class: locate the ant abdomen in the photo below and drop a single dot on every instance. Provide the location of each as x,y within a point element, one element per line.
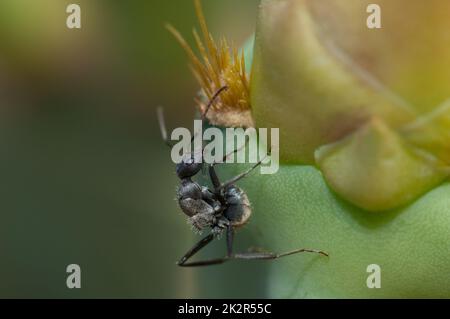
<point>238,209</point>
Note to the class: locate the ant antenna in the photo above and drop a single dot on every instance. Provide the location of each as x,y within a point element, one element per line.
<point>210,103</point>
<point>162,122</point>
<point>213,99</point>
<point>162,125</point>
<point>208,107</point>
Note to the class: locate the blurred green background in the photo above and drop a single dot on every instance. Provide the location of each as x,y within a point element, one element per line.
<point>85,177</point>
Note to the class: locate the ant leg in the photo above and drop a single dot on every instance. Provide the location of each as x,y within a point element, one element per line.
<point>225,157</point>
<point>262,255</point>
<point>212,172</point>
<point>205,241</point>
<point>240,176</point>
<point>201,244</point>
<point>246,256</point>
<point>214,178</point>
<point>270,255</point>
<point>230,238</point>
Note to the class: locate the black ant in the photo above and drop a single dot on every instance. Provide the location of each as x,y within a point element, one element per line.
<point>223,209</point>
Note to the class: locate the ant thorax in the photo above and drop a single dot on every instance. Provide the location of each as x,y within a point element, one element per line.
<point>238,209</point>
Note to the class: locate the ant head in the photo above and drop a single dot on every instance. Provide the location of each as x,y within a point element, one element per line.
<point>188,167</point>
